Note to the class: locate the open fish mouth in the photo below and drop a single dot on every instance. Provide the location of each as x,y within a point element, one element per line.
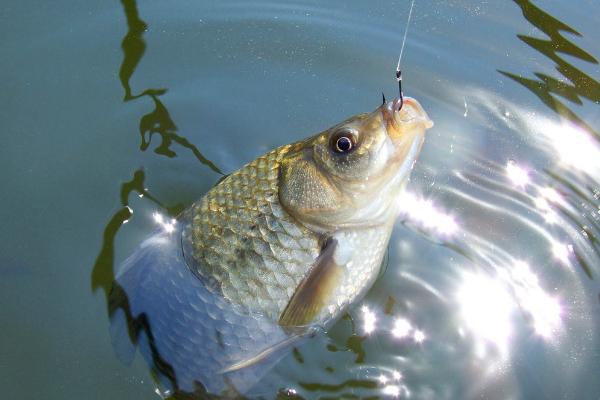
<point>405,114</point>
<point>405,121</point>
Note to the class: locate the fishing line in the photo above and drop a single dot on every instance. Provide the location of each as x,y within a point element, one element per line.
<point>398,70</point>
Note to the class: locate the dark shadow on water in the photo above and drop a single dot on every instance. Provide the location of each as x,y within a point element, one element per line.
<point>158,121</point>
<point>546,87</point>
<point>133,45</point>
<point>103,272</point>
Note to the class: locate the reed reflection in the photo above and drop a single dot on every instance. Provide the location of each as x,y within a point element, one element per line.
<point>159,120</point>
<point>574,143</point>
<point>546,87</point>
<point>103,272</point>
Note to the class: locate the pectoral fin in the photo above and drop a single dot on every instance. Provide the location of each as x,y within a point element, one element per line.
<point>315,291</point>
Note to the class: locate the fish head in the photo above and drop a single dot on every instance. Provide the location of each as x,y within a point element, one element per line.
<point>350,175</point>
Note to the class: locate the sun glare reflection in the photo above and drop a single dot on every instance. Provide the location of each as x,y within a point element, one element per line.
<point>404,329</point>
<point>542,203</point>
<point>369,320</point>
<point>130,214</point>
<point>488,306</point>
<point>391,390</point>
<point>419,336</point>
<point>486,309</point>
<point>168,226</point>
<point>548,197</point>
<point>551,195</point>
<point>163,394</point>
<point>392,385</point>
<point>574,146</point>
<point>517,174</point>
<point>401,328</point>
<point>544,309</point>
<point>426,214</point>
<point>561,251</point>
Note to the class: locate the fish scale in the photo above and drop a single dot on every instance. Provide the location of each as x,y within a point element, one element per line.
<point>266,253</point>
<point>259,254</point>
<point>194,332</point>
<point>276,250</point>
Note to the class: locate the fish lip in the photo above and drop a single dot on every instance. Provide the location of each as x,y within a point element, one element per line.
<point>411,113</point>
<point>405,128</point>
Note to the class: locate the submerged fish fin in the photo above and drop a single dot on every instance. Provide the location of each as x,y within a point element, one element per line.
<point>269,352</point>
<point>314,291</point>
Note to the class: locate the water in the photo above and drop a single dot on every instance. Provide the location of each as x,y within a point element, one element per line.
<point>496,297</point>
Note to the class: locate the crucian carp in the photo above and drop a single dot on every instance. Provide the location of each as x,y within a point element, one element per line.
<point>279,248</point>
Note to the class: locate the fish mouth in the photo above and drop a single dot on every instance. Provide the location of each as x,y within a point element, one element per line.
<point>403,115</point>
<point>405,121</point>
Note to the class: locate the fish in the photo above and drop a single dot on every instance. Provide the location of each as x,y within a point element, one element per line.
<point>275,252</point>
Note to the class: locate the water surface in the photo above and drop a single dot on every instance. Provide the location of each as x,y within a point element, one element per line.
<point>113,111</point>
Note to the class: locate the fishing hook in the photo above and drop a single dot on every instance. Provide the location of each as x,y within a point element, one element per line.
<point>400,95</point>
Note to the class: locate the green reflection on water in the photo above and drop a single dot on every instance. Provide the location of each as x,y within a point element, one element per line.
<point>158,121</point>
<point>351,383</point>
<point>133,45</point>
<point>544,88</point>
<point>581,194</point>
<point>103,272</point>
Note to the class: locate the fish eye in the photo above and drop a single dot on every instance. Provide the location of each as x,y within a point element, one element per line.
<point>343,142</point>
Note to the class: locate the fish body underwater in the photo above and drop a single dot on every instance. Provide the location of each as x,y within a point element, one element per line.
<point>276,251</point>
